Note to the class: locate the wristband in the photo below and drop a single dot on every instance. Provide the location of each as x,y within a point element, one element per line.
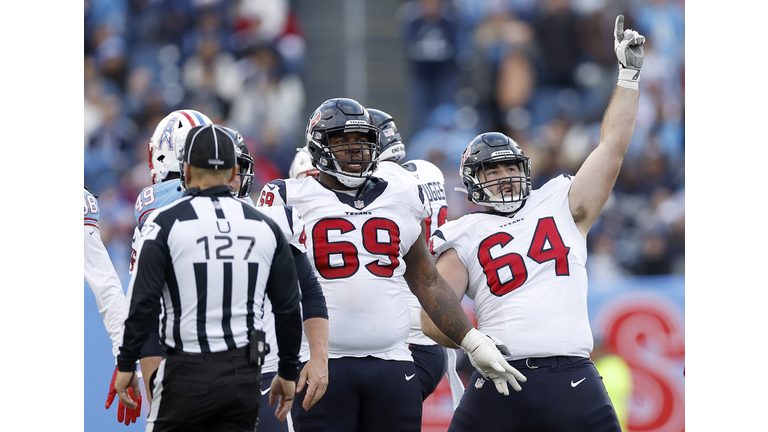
<point>471,340</point>
<point>628,78</point>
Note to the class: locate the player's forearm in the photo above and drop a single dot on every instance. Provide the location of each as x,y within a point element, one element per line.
<point>431,331</point>
<point>106,286</point>
<point>619,121</point>
<point>441,305</point>
<point>316,331</point>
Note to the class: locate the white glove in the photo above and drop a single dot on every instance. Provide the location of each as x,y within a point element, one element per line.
<point>484,354</point>
<point>628,46</point>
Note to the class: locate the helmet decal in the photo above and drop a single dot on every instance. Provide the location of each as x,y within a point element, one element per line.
<point>165,138</point>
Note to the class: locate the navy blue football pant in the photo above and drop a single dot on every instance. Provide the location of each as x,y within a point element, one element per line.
<point>267,420</point>
<point>364,395</point>
<point>430,362</point>
<point>562,394</point>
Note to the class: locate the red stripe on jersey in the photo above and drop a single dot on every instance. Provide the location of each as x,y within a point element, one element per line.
<point>95,226</point>
<point>188,118</point>
<point>142,217</point>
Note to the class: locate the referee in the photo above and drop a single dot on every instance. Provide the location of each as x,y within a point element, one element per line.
<point>212,258</point>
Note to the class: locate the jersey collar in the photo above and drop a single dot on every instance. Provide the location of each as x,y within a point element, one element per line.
<point>366,194</point>
<point>223,190</point>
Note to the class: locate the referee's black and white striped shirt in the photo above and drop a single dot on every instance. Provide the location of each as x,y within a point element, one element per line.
<point>212,258</point>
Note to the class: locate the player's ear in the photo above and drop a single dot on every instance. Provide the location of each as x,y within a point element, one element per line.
<point>232,174</point>
<point>187,174</point>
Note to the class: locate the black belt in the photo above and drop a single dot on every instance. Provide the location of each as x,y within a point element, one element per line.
<point>221,355</point>
<point>544,362</point>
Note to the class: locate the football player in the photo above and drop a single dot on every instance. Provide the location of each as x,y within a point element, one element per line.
<point>366,241</point>
<point>110,298</point>
<point>432,361</point>
<point>522,261</point>
<point>164,150</point>
<point>314,311</point>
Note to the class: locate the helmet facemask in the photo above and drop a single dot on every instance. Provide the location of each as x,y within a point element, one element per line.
<point>245,172</point>
<point>511,191</point>
<point>481,157</point>
<point>329,158</point>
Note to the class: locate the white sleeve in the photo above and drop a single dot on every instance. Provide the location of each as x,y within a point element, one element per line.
<point>270,195</point>
<point>105,284</point>
<point>134,240</point>
<point>299,237</point>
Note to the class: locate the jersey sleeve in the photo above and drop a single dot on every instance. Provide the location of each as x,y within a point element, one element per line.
<point>421,204</point>
<point>90,210</point>
<point>102,279</point>
<point>298,238</point>
<point>444,238</point>
<point>273,194</point>
<point>144,199</point>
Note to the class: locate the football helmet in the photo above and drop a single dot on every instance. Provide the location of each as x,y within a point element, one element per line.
<point>392,147</point>
<point>336,116</point>
<point>163,149</point>
<point>301,166</point>
<point>490,149</point>
<point>244,162</point>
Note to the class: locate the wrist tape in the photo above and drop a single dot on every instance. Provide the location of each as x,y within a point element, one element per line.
<point>628,78</point>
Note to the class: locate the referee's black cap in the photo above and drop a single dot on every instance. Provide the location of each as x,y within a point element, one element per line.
<point>210,146</point>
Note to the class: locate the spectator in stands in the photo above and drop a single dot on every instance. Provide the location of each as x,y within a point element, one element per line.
<point>430,39</point>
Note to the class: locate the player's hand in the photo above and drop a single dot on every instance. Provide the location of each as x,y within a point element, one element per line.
<point>126,386</point>
<point>485,355</point>
<point>287,391</point>
<point>315,376</point>
<point>124,415</point>
<point>628,46</point>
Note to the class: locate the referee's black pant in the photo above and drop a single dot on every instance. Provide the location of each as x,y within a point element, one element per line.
<point>205,392</point>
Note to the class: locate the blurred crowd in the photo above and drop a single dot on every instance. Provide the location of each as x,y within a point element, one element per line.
<point>542,72</point>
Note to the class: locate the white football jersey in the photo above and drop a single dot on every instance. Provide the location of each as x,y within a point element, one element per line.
<point>432,183</point>
<point>290,223</point>
<point>356,246</point>
<point>527,273</point>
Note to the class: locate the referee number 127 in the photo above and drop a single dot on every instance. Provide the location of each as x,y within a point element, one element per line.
<point>225,242</point>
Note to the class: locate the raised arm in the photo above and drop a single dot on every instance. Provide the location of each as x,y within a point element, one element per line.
<point>594,181</point>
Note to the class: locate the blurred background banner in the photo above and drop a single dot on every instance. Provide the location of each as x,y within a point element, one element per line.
<point>541,72</point>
